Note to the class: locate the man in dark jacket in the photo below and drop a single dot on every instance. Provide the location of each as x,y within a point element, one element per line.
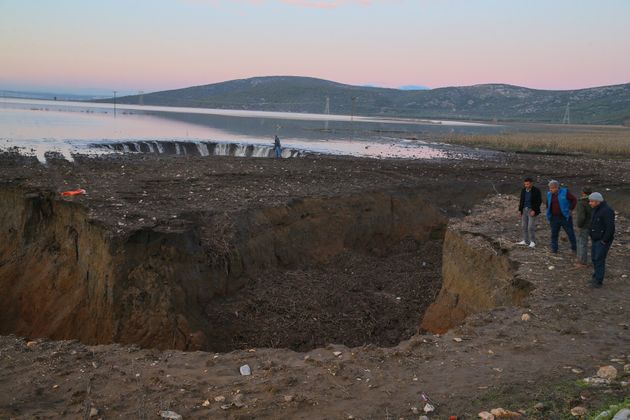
<point>560,204</point>
<point>584,214</point>
<point>529,208</point>
<point>602,235</point>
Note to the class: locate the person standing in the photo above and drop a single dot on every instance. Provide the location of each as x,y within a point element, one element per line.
<point>583,222</point>
<point>277,147</point>
<point>560,204</point>
<point>602,234</point>
<point>529,209</point>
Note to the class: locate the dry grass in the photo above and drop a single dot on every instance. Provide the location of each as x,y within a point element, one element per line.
<point>596,142</point>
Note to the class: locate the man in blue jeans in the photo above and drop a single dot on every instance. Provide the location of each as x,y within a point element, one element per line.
<point>602,234</point>
<point>560,204</point>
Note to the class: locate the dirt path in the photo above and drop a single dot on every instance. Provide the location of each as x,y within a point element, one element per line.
<point>500,360</point>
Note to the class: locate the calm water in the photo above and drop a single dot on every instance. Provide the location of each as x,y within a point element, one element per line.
<point>37,127</point>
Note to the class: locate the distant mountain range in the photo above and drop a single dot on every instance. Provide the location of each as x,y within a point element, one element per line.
<point>488,102</point>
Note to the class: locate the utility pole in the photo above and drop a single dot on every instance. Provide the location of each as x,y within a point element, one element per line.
<point>327,112</point>
<point>141,97</point>
<point>115,103</point>
<point>354,100</point>
<point>567,115</point>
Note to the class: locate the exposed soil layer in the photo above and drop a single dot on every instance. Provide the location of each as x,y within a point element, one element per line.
<point>240,260</point>
<point>495,359</point>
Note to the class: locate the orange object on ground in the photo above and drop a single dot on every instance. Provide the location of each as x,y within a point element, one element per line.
<point>80,191</point>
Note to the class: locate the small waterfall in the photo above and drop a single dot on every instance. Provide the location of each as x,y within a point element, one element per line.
<point>197,149</point>
<point>203,149</point>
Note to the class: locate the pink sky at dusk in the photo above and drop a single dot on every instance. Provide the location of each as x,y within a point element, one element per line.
<point>165,44</point>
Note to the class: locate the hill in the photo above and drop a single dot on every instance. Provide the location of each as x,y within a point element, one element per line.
<point>500,102</point>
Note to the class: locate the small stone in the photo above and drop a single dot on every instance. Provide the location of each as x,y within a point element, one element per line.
<point>624,276</point>
<point>484,415</point>
<point>526,317</point>
<point>337,353</point>
<point>576,370</point>
<point>624,414</point>
<point>205,403</point>
<point>552,267</point>
<point>288,398</point>
<point>31,344</point>
<point>93,412</point>
<point>502,413</point>
<point>219,398</point>
<point>539,406</point>
<point>170,415</point>
<point>607,372</point>
<point>578,411</point>
<point>55,386</point>
<point>626,368</point>
<point>428,408</point>
<point>457,340</point>
<point>415,410</point>
<point>245,370</point>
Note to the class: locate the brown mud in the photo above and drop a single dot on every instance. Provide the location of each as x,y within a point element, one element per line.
<point>308,254</point>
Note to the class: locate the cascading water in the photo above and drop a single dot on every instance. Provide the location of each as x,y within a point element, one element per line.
<point>196,149</point>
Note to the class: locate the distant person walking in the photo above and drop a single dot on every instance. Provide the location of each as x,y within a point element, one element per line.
<point>602,235</point>
<point>560,204</point>
<point>529,209</point>
<point>583,222</point>
<point>277,147</point>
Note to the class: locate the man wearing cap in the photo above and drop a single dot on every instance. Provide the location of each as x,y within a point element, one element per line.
<point>602,234</point>
<point>529,208</point>
<point>560,203</point>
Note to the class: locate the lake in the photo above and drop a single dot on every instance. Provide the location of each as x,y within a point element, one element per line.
<point>39,126</point>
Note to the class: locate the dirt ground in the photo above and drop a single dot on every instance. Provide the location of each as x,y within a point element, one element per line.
<point>497,359</point>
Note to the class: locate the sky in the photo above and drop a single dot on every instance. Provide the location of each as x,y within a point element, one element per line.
<point>149,45</point>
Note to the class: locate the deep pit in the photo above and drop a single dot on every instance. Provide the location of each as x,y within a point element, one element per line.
<point>359,267</point>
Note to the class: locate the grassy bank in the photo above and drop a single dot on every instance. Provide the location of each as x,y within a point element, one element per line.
<point>597,142</point>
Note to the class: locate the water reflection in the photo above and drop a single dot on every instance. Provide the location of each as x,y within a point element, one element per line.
<point>66,127</point>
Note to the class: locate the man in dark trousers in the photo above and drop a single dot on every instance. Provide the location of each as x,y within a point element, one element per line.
<point>277,147</point>
<point>583,222</point>
<point>560,204</point>
<point>529,209</point>
<point>602,235</point>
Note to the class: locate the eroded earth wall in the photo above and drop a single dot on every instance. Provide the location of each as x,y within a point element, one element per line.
<point>477,276</point>
<point>65,275</point>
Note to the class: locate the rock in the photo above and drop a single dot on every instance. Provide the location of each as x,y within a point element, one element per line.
<point>484,415</point>
<point>205,403</point>
<point>415,410</point>
<point>551,267</point>
<point>31,344</point>
<point>245,370</point>
<point>428,408</point>
<point>526,317</point>
<point>539,406</point>
<point>607,372</point>
<point>502,413</point>
<point>626,368</point>
<point>594,380</point>
<point>624,414</point>
<point>457,340</point>
<point>170,415</point>
<point>288,398</point>
<point>219,398</point>
<point>577,370</point>
<point>93,412</point>
<point>337,353</point>
<point>578,411</point>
